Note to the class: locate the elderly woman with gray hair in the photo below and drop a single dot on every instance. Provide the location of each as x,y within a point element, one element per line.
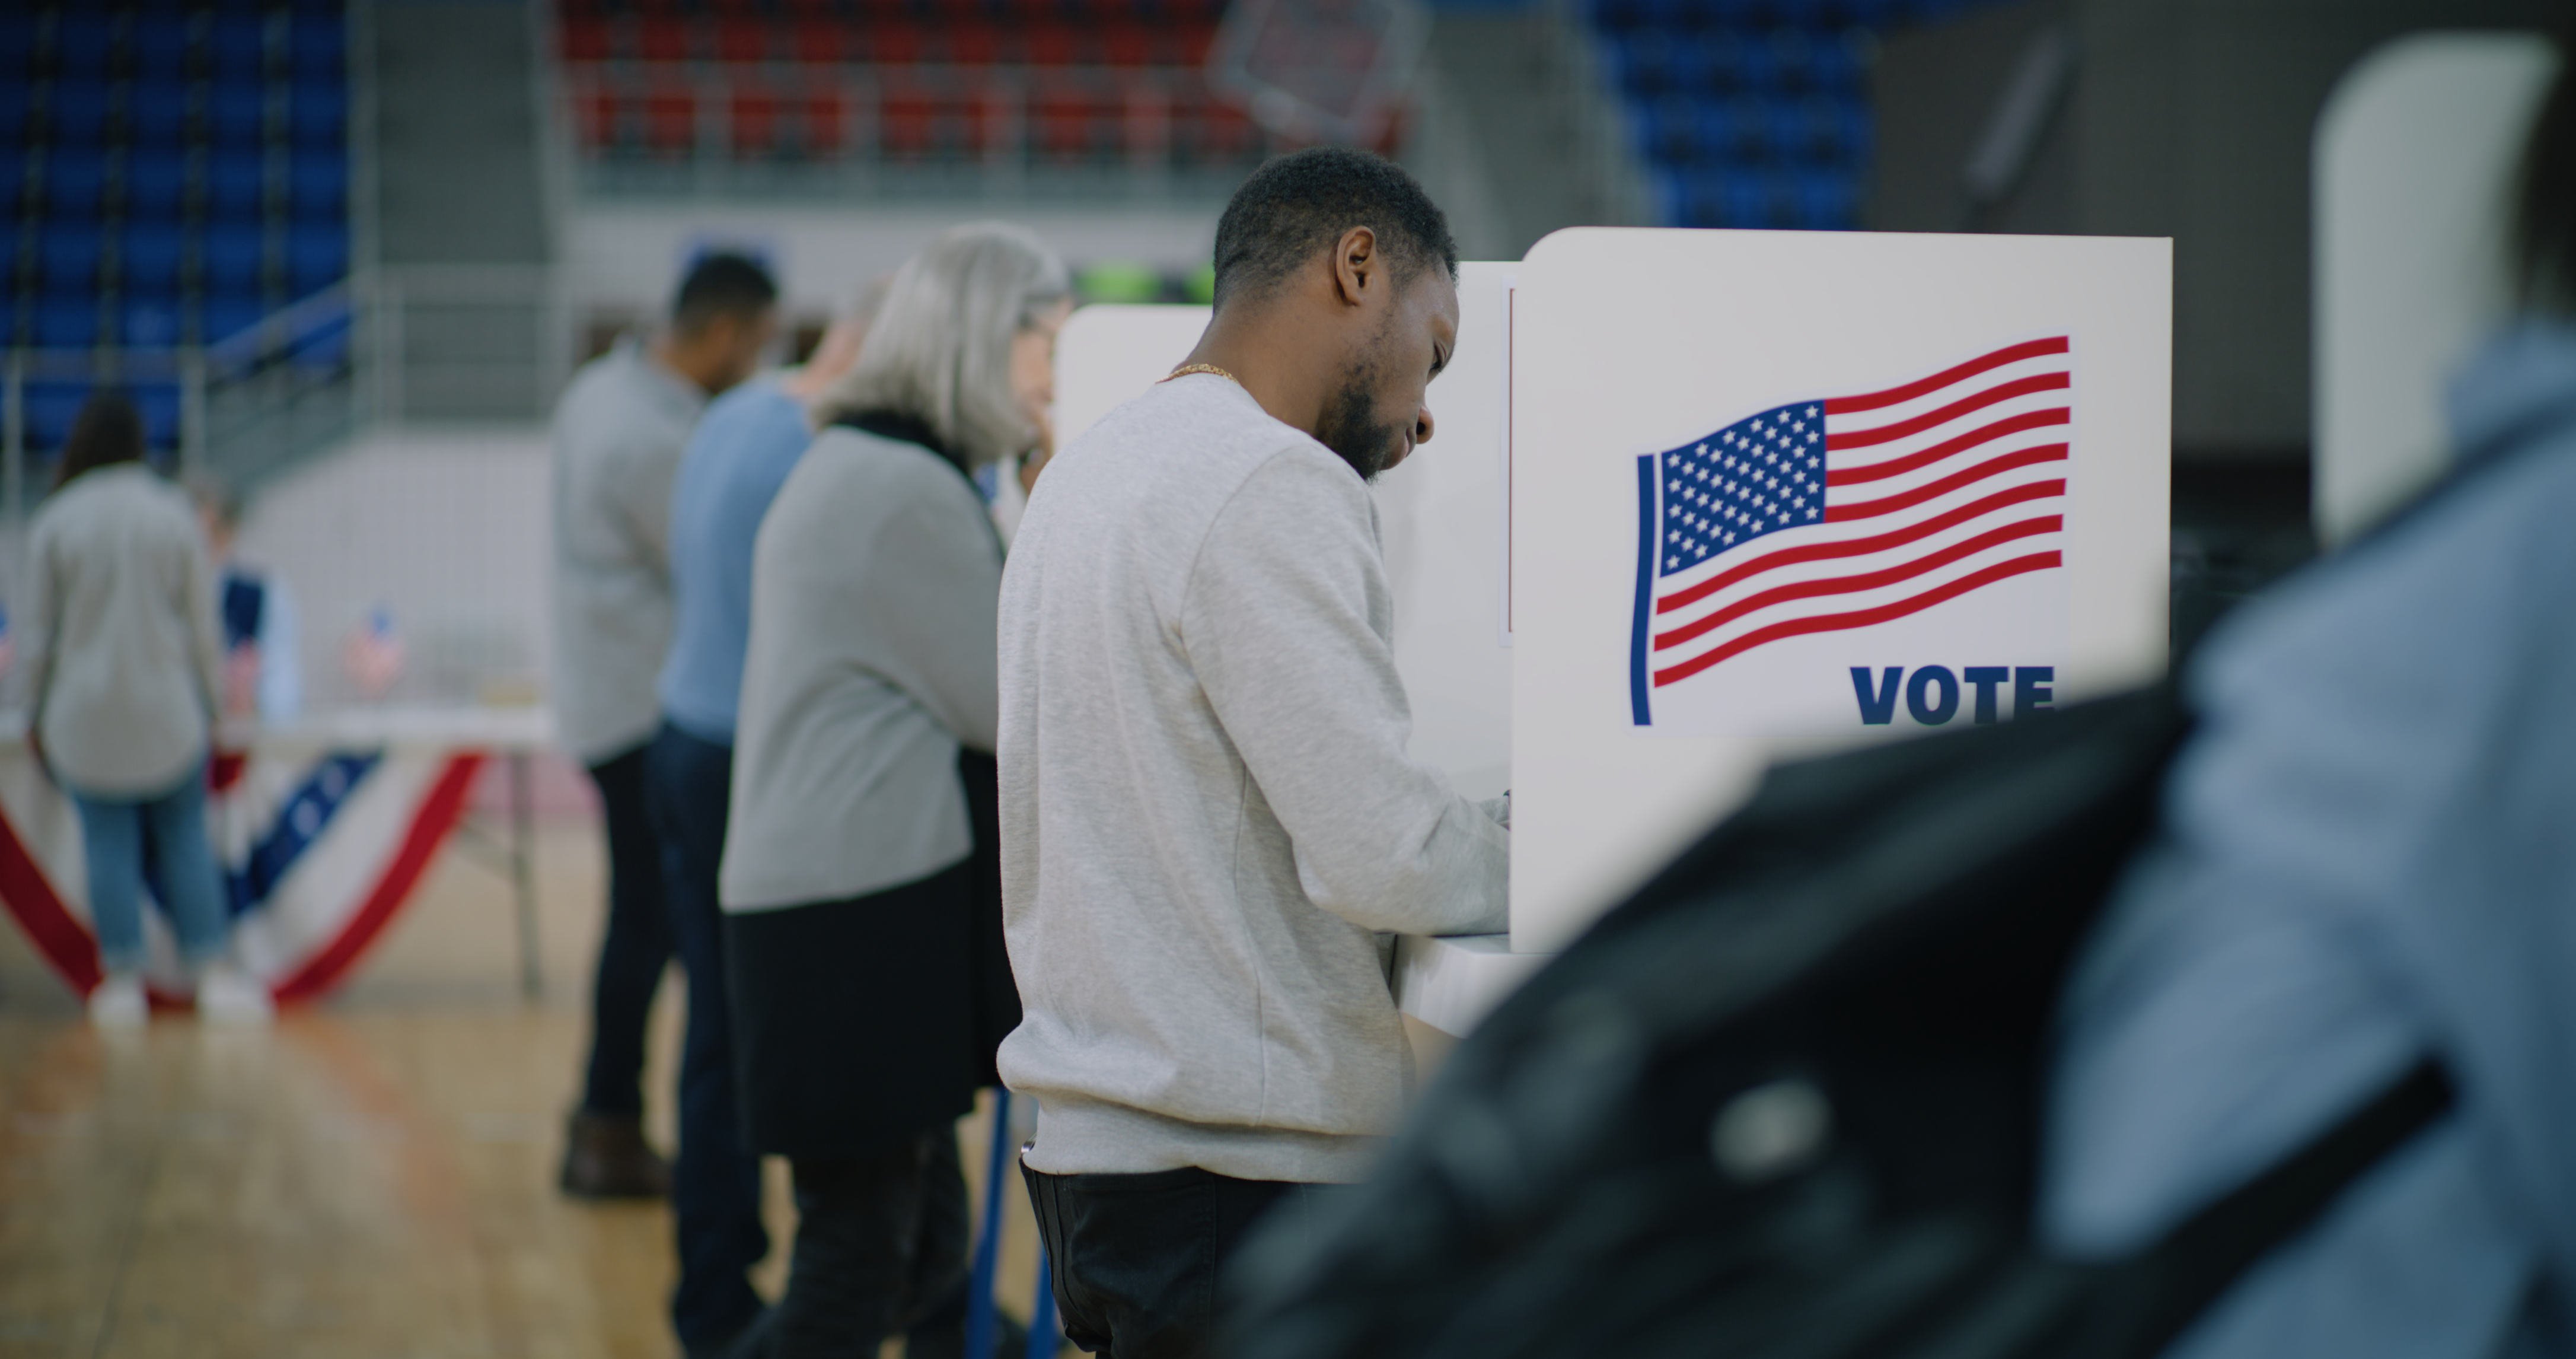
<point>860,884</point>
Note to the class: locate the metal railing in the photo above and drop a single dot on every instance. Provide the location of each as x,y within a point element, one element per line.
<point>245,405</point>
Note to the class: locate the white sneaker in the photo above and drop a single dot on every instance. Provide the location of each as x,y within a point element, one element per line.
<point>227,995</point>
<point>118,1003</point>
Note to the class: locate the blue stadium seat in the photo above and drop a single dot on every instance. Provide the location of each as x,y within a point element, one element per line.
<point>13,113</point>
<point>51,408</point>
<point>231,258</point>
<point>1669,127</point>
<point>316,257</point>
<point>236,185</point>
<point>1827,200</point>
<point>160,49</point>
<point>1727,129</point>
<point>150,323</point>
<point>1744,199</point>
<point>67,257</point>
<point>319,185</point>
<point>317,45</point>
<point>17,44</point>
<point>1646,60</point>
<point>318,113</point>
<point>82,41</point>
<point>238,112</point>
<point>240,46</point>
<point>74,180</point>
<point>158,112</point>
<point>229,314</point>
<point>1785,129</point>
<point>67,323</point>
<point>149,257</point>
<point>79,112</point>
<point>13,177</point>
<point>1618,16</point>
<point>156,183</point>
<point>158,402</point>
<point>1835,67</point>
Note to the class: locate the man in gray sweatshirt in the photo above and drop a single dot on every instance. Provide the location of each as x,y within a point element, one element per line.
<point>1210,822</point>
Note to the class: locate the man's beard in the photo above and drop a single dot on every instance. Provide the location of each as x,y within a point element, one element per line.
<point>1350,426</point>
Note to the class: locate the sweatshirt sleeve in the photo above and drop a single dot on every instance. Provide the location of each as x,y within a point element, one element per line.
<point>933,588</point>
<point>1279,621</point>
<point>205,632</point>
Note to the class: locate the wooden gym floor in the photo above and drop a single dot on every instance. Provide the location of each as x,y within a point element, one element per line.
<point>372,1178</point>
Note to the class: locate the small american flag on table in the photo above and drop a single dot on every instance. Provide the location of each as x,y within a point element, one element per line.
<point>1849,511</point>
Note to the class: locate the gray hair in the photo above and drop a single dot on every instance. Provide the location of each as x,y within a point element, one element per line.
<point>940,348</point>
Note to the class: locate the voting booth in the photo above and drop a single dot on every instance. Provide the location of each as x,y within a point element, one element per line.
<point>1698,500</point>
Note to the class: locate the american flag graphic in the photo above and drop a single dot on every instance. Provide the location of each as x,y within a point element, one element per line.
<point>1849,511</point>
<point>372,655</point>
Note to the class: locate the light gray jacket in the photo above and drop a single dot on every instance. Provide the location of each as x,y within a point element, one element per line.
<point>123,656</point>
<point>618,435</point>
<point>873,583</point>
<point>1208,811</point>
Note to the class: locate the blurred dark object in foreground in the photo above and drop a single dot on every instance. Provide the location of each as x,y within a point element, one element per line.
<point>2237,527</point>
<point>1787,1099</point>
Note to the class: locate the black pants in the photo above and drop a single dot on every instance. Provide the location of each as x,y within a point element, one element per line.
<point>880,1247</point>
<point>635,948</point>
<point>715,1180</point>
<point>1139,1259</point>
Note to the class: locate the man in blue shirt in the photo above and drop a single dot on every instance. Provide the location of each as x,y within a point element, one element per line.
<point>736,459</point>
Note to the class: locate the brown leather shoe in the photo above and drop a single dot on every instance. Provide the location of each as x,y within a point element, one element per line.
<point>606,1157</point>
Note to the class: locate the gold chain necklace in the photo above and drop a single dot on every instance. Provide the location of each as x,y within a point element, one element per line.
<point>1188,368</point>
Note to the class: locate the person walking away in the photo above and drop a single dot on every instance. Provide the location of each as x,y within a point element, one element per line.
<point>2365,860</point>
<point>1209,819</point>
<point>618,433</point>
<point>860,882</point>
<point>125,674</point>
<point>263,673</point>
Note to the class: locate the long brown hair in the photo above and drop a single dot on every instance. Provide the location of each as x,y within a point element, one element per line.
<point>109,431</point>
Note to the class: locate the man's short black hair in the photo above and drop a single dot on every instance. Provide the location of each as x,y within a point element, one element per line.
<point>723,284</point>
<point>1296,206</point>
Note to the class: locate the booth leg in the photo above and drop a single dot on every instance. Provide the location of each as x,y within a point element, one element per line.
<point>988,1242</point>
<point>1043,1341</point>
<point>523,875</point>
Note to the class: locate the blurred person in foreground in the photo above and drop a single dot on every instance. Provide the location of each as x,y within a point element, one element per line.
<point>2369,855</point>
<point>861,890</point>
<point>1209,819</point>
<point>263,674</point>
<point>125,674</point>
<point>618,434</point>
<point>744,447</point>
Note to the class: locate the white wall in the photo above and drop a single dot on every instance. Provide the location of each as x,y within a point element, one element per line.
<point>447,530</point>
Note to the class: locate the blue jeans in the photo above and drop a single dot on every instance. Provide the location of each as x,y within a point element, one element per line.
<point>715,1179</point>
<point>112,831</point>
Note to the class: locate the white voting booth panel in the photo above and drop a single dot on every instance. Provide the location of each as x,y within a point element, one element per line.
<point>2415,155</point>
<point>1442,522</point>
<point>1777,491</point>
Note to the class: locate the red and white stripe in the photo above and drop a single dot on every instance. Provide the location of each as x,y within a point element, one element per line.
<point>1934,489</point>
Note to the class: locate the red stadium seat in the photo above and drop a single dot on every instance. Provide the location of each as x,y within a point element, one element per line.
<point>822,124</point>
<point>894,44</point>
<point>663,38</point>
<point>585,39</point>
<point>1195,40</point>
<point>907,125</point>
<point>755,111</point>
<point>974,44</point>
<point>1073,122</point>
<point>1128,45</point>
<point>594,116</point>
<point>671,119</point>
<point>1053,45</point>
<point>744,38</point>
<point>822,41</point>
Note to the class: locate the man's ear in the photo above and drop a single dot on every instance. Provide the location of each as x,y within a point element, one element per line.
<point>1356,268</point>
